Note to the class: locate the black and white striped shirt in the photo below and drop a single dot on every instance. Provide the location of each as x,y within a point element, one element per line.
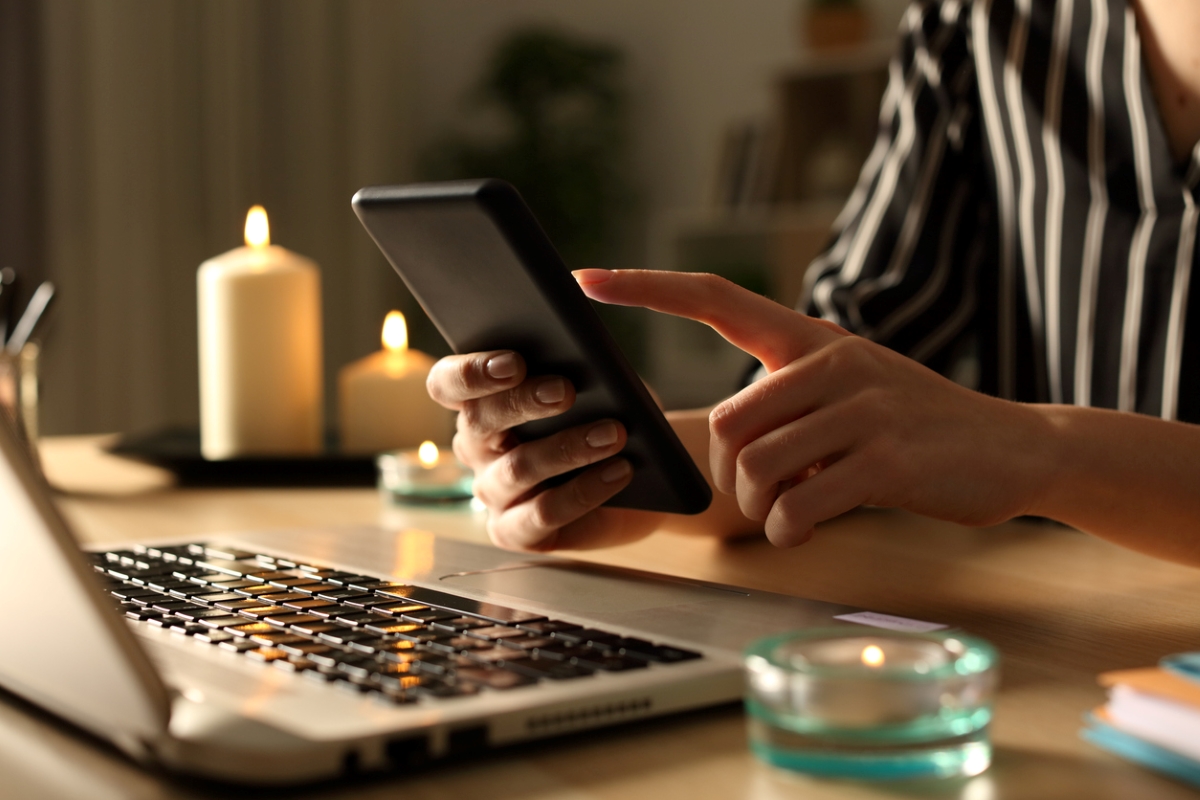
<point>1022,190</point>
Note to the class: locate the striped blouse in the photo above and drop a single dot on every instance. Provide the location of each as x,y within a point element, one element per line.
<point>1022,193</point>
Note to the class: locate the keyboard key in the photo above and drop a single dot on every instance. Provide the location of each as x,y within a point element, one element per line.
<point>489,611</point>
<point>222,622</point>
<point>429,615</point>
<point>206,613</point>
<point>172,605</point>
<point>597,660</point>
<point>542,668</point>
<point>212,637</point>
<point>266,654</point>
<point>314,588</point>
<point>247,629</point>
<point>293,665</point>
<point>275,639</point>
<point>370,646</point>
<point>238,645</point>
<point>124,592</point>
<point>311,602</point>
<point>366,618</point>
<point>287,583</point>
<point>373,584</point>
<point>341,595</point>
<point>236,605</point>
<point>457,623</point>
<point>290,617</point>
<point>345,636</point>
<point>315,628</point>
<point>259,612</point>
<point>184,629</point>
<point>492,655</point>
<point>256,589</point>
<point>496,632</point>
<point>282,597</point>
<point>529,642</point>
<point>648,651</point>
<point>143,614</point>
<point>305,648</point>
<point>393,608</point>
<point>227,553</point>
<point>494,678</point>
<point>369,602</point>
<point>219,597</point>
<point>332,612</point>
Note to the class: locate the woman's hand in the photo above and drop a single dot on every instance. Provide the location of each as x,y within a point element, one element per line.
<point>492,394</point>
<point>840,421</point>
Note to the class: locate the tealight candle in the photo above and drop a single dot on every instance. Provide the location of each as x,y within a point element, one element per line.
<point>383,404</point>
<point>423,475</point>
<point>260,349</point>
<point>872,704</point>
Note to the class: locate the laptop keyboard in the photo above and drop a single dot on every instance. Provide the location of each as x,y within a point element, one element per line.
<point>401,642</point>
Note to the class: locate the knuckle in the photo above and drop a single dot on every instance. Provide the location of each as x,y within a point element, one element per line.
<point>470,417</point>
<point>541,512</point>
<point>514,468</point>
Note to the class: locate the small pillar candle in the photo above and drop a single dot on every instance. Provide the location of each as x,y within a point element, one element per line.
<point>260,349</point>
<point>383,404</point>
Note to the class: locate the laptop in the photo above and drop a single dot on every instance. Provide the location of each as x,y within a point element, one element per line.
<point>293,656</point>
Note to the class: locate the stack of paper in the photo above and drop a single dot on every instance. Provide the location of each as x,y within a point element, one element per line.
<point>1153,717</point>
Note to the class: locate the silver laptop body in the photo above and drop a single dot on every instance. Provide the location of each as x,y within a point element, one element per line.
<point>186,705</point>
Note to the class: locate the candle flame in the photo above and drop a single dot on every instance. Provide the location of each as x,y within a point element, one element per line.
<point>258,231</point>
<point>395,332</point>
<point>872,656</point>
<point>428,454</point>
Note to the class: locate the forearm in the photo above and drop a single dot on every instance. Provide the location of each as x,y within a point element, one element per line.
<point>1128,478</point>
<point>723,518</point>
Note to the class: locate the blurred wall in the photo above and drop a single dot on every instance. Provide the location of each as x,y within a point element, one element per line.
<point>164,122</point>
<point>692,68</point>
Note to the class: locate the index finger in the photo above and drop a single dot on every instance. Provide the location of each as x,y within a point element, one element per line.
<point>454,380</point>
<point>772,333</point>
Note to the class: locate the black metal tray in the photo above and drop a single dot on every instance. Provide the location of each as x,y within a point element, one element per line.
<point>178,449</point>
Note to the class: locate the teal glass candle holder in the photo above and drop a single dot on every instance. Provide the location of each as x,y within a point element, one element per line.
<point>423,476</point>
<point>872,704</point>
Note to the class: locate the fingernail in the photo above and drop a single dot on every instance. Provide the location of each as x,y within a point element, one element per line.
<point>602,435</point>
<point>502,366</point>
<point>590,277</point>
<point>551,391</point>
<point>616,471</point>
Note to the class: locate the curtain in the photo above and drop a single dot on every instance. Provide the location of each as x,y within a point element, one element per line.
<point>163,122</point>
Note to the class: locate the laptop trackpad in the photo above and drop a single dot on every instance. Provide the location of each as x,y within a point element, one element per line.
<point>588,588</point>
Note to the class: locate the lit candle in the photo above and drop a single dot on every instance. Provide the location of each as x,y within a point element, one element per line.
<point>383,404</point>
<point>423,474</point>
<point>260,349</point>
<point>871,704</point>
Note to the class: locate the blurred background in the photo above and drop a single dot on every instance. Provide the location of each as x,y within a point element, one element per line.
<point>670,134</point>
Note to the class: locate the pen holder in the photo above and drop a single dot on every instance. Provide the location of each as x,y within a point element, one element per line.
<point>19,393</point>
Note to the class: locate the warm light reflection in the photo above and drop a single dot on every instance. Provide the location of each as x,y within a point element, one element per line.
<point>414,554</point>
<point>428,454</point>
<point>395,332</point>
<point>258,231</point>
<point>872,655</point>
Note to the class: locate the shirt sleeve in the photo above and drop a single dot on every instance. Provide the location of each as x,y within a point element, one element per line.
<point>902,266</point>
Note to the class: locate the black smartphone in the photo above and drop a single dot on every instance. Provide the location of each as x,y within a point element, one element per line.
<point>485,272</point>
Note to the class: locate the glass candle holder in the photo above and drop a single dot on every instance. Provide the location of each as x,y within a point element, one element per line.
<point>424,475</point>
<point>867,704</point>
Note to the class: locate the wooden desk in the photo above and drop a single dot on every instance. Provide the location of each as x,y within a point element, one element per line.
<point>1061,607</point>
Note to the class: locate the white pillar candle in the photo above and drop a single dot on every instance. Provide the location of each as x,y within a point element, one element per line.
<point>382,401</point>
<point>260,350</point>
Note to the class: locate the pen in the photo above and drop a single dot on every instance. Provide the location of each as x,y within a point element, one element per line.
<point>34,313</point>
<point>8,294</point>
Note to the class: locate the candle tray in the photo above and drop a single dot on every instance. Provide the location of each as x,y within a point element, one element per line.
<point>177,449</point>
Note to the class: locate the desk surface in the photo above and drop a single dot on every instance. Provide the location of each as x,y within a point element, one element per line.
<point>1060,606</point>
